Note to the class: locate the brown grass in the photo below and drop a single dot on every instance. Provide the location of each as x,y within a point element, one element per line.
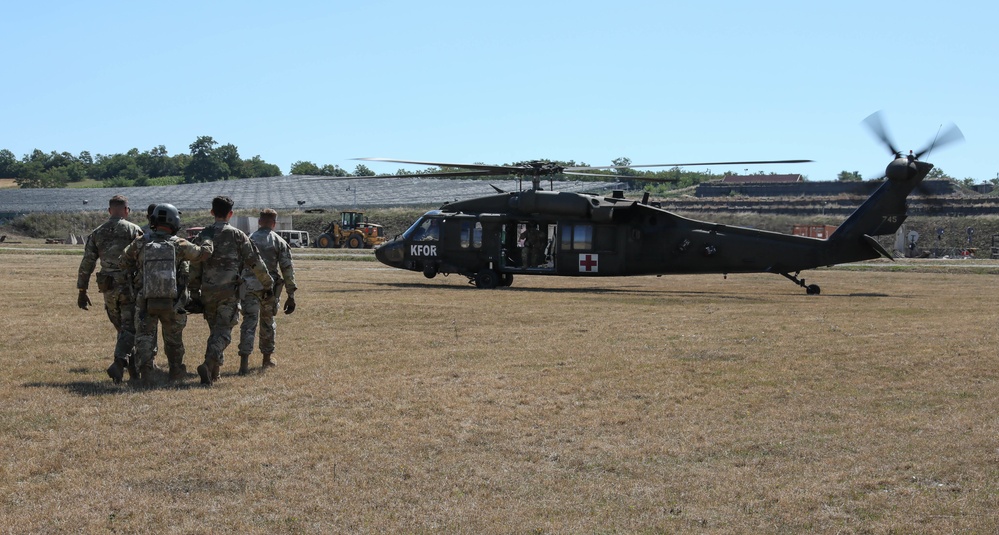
<point>557,406</point>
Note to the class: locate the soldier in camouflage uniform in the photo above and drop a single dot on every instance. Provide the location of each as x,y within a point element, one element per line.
<point>147,231</point>
<point>216,284</point>
<point>105,244</point>
<point>153,309</point>
<point>276,255</point>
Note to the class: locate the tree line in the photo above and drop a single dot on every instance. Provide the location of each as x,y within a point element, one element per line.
<point>206,162</point>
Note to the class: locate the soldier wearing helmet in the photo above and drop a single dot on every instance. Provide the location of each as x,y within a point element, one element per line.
<point>161,298</point>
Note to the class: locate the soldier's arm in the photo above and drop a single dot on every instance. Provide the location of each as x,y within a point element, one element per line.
<point>287,270</point>
<point>88,264</point>
<point>130,255</point>
<point>252,261</point>
<point>194,253</point>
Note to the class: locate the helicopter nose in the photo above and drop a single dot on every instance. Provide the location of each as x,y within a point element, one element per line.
<point>391,253</point>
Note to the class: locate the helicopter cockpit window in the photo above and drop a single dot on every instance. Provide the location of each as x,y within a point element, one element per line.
<point>427,230</point>
<point>577,237</point>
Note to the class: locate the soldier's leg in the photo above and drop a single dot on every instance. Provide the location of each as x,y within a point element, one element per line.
<point>126,332</point>
<point>210,314</point>
<point>173,344</point>
<point>223,317</point>
<point>119,361</point>
<point>268,327</point>
<point>145,340</point>
<point>248,329</point>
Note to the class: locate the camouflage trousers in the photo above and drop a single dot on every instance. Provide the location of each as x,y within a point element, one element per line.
<point>256,309</point>
<point>173,323</point>
<point>222,314</point>
<point>120,307</point>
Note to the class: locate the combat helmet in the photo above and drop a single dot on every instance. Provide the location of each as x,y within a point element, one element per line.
<point>166,214</point>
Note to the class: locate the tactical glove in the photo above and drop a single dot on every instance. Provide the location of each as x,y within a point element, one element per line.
<point>195,306</point>
<point>206,235</point>
<point>83,300</point>
<point>267,294</point>
<point>289,305</point>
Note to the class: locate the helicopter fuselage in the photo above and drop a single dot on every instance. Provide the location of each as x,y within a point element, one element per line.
<point>571,234</point>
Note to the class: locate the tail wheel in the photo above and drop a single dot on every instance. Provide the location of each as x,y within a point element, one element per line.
<point>325,241</point>
<point>355,241</point>
<point>486,279</point>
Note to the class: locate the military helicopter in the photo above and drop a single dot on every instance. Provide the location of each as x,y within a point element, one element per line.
<point>537,232</point>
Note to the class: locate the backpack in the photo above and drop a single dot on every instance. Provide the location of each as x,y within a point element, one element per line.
<point>159,271</point>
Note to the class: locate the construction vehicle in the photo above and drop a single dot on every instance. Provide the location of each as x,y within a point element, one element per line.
<point>352,231</point>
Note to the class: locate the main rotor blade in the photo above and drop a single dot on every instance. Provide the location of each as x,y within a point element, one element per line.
<point>499,169</point>
<point>447,174</point>
<point>951,135</point>
<point>758,162</point>
<point>609,178</point>
<point>877,126</point>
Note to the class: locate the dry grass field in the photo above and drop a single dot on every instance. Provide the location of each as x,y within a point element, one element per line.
<point>633,405</point>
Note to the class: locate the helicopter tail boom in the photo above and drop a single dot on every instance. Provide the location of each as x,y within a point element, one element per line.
<point>883,212</point>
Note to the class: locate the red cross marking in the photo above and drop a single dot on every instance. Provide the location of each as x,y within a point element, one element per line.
<point>587,262</point>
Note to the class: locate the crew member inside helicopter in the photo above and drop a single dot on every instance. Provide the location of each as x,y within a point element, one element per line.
<point>429,230</point>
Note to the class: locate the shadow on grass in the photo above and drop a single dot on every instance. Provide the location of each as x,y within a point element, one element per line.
<point>105,387</point>
<point>643,292</point>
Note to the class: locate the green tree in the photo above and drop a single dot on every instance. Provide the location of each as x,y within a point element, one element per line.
<point>110,166</point>
<point>622,161</point>
<point>205,165</point>
<point>938,174</point>
<point>156,162</point>
<point>333,170</point>
<point>362,170</point>
<point>256,167</point>
<point>229,155</point>
<point>304,168</point>
<point>9,166</point>
<point>848,176</point>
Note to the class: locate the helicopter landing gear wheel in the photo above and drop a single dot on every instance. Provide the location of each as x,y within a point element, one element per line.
<point>506,279</point>
<point>486,279</point>
<point>810,289</point>
<point>430,271</point>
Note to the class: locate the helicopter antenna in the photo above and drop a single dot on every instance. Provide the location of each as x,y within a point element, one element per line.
<point>935,138</point>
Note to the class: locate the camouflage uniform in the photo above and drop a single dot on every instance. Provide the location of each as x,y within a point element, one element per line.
<point>276,255</point>
<point>173,320</point>
<point>106,244</point>
<point>218,280</point>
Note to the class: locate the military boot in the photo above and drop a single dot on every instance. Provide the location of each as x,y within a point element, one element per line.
<point>216,370</point>
<point>178,372</point>
<point>244,364</point>
<point>133,374</point>
<point>146,374</point>
<point>269,361</point>
<point>116,371</point>
<point>205,373</point>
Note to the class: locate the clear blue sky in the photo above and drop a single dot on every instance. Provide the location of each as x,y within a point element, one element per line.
<point>497,82</point>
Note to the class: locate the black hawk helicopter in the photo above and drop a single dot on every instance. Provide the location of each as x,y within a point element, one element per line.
<point>536,232</point>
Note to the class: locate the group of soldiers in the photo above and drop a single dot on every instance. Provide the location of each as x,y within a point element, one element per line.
<point>151,278</point>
